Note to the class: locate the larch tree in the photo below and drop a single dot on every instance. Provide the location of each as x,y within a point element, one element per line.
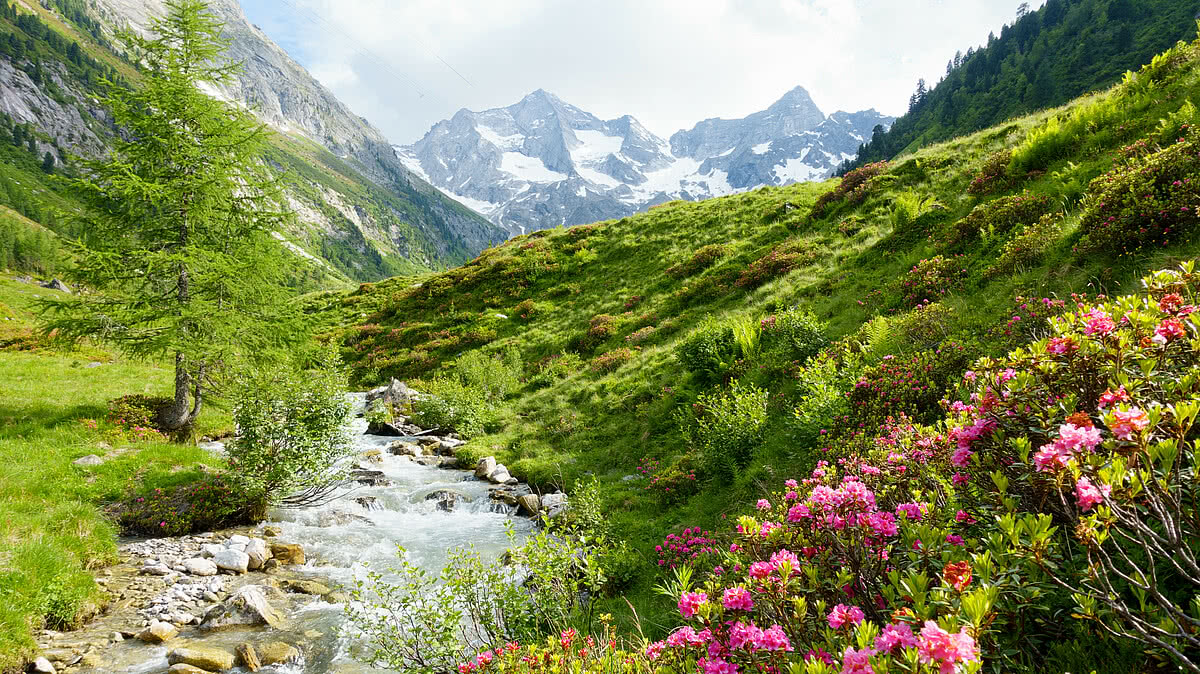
<point>176,260</point>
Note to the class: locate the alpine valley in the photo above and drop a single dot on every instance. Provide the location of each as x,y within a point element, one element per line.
<point>543,162</point>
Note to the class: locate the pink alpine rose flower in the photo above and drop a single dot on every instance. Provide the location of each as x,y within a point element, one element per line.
<point>690,601</point>
<point>737,599</point>
<point>1089,495</point>
<point>845,615</point>
<point>1126,423</point>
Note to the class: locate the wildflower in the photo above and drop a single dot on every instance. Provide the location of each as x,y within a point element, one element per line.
<point>954,539</point>
<point>911,511</point>
<point>1062,346</point>
<point>957,574</point>
<point>1125,423</point>
<point>1111,397</point>
<point>939,647</point>
<point>964,516</point>
<point>857,662</point>
<point>959,479</point>
<point>1089,495</point>
<point>737,599</point>
<point>961,457</point>
<point>1167,331</point>
<point>1098,322</point>
<point>1170,302</point>
<point>690,601</point>
<point>763,504</point>
<point>772,639</point>
<point>845,615</point>
<point>900,635</point>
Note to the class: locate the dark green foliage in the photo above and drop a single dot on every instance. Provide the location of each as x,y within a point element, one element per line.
<point>793,335</point>
<point>930,279</point>
<point>211,503</point>
<point>709,352</point>
<point>1064,49</point>
<point>997,217</point>
<point>1149,201</point>
<point>452,407</point>
<point>1029,245</point>
<point>27,249</point>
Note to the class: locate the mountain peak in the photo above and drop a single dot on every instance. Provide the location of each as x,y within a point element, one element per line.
<point>797,97</point>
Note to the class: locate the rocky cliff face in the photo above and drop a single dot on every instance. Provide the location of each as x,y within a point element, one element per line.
<point>543,162</point>
<point>399,221</point>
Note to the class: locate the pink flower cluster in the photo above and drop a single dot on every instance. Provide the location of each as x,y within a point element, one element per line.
<point>935,646</point>
<point>1066,446</point>
<point>843,615</point>
<point>1089,495</point>
<point>690,602</point>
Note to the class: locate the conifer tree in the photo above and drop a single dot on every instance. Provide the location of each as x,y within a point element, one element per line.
<point>176,257</point>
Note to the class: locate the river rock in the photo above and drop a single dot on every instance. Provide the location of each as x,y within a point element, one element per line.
<point>247,606</point>
<point>403,448</point>
<point>55,284</point>
<point>238,539</point>
<point>368,502</point>
<point>271,532</point>
<point>42,666</point>
<point>202,657</point>
<point>258,552</point>
<point>287,553</point>
<point>232,559</point>
<point>384,428</point>
<point>155,568</point>
<point>370,478</point>
<point>445,499</point>
<point>247,657</point>
<point>499,475</point>
<point>485,467</point>
<point>158,632</point>
<point>277,653</point>
<point>555,500</point>
<point>89,460</point>
<point>198,566</point>
<point>184,668</point>
<point>209,550</point>
<point>306,587</point>
<point>529,503</point>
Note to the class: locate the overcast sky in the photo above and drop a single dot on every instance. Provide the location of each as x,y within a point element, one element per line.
<point>406,64</point>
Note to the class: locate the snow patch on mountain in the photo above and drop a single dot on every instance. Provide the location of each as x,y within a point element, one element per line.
<point>542,162</point>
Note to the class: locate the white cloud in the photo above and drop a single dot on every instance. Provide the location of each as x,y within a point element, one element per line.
<point>670,63</point>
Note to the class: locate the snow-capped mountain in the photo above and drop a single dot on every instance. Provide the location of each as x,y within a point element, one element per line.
<point>544,162</point>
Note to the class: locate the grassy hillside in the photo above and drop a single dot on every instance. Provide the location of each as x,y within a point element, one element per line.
<point>54,531</point>
<point>667,355</point>
<point>1045,58</point>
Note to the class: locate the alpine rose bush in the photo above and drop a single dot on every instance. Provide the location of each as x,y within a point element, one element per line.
<point>1093,438</point>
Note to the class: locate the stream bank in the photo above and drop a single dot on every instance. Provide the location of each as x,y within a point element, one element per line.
<point>271,598</point>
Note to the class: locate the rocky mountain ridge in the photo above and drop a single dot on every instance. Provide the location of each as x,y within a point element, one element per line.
<point>543,162</point>
<point>359,209</point>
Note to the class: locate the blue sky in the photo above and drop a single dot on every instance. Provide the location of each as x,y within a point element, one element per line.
<point>406,64</point>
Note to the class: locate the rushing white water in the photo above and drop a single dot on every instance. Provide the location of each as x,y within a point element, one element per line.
<point>364,526</point>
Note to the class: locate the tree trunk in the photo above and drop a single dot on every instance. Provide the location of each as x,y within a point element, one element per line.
<point>176,416</point>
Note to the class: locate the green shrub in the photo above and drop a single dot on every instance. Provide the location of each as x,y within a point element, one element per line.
<point>1149,201</point>
<point>213,502</point>
<point>1028,246</point>
<point>821,387</point>
<point>702,259</point>
<point>451,405</point>
<point>640,335</point>
<point>709,352</point>
<point>551,369</point>
<point>526,310</point>
<point>726,428</point>
<point>291,431</point>
<point>497,376</point>
<point>794,335</point>
<point>1064,133</point>
<point>137,414</point>
<point>611,361</point>
<point>998,216</point>
<point>907,207</point>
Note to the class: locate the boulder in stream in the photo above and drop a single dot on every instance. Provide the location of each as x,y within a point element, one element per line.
<point>42,666</point>
<point>202,657</point>
<point>247,657</point>
<point>530,504</point>
<point>277,653</point>
<point>247,606</point>
<point>158,632</point>
<point>370,478</point>
<point>198,566</point>
<point>232,560</point>
<point>258,552</point>
<point>445,499</point>
<point>485,467</point>
<point>287,553</point>
<point>184,668</point>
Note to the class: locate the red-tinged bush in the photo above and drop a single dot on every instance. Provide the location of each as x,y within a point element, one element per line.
<point>782,259</point>
<point>137,415</point>
<point>1150,201</point>
<point>692,547</point>
<point>213,502</point>
<point>612,360</point>
<point>993,177</point>
<point>931,279</point>
<point>854,188</point>
<point>1028,246</point>
<point>702,259</point>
